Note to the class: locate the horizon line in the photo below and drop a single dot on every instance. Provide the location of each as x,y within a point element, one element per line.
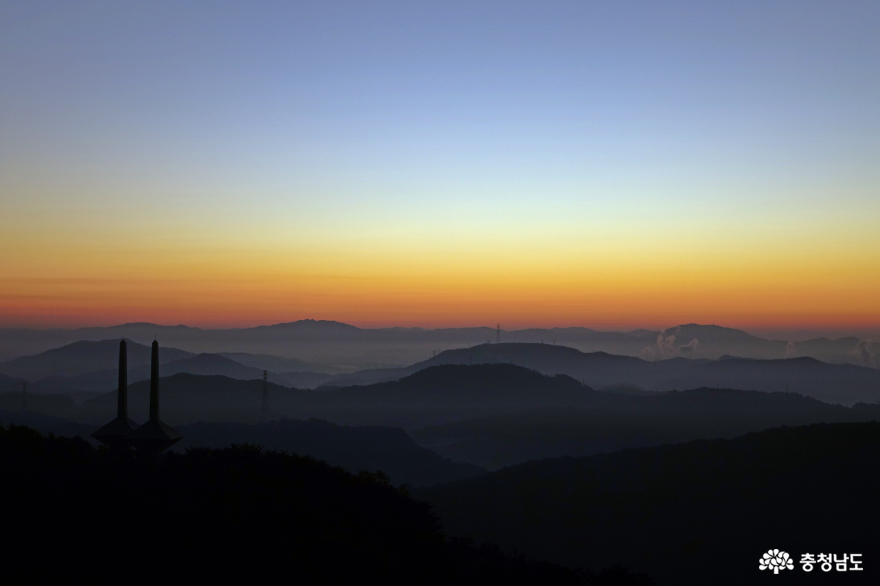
<point>757,332</point>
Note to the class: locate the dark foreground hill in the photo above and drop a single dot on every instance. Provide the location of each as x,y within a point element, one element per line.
<point>703,512</point>
<point>47,424</point>
<point>355,449</point>
<point>237,514</point>
<point>384,449</point>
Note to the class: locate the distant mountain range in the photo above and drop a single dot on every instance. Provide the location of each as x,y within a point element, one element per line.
<point>834,383</point>
<point>84,356</point>
<point>488,415</point>
<point>93,367</point>
<point>349,348</point>
<point>437,395</point>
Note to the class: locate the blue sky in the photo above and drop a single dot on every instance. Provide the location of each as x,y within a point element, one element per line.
<point>305,126</point>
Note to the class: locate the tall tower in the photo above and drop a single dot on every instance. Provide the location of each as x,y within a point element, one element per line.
<point>117,433</point>
<point>154,437</point>
<point>264,408</point>
<point>498,335</point>
<point>24,396</point>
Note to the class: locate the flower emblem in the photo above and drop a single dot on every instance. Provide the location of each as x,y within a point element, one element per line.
<point>775,560</point>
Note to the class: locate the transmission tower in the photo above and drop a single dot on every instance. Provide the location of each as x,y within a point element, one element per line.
<point>498,335</point>
<point>24,396</point>
<point>264,409</point>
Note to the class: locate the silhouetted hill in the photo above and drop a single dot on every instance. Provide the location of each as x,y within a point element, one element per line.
<point>629,390</point>
<point>354,449</point>
<point>690,340</point>
<point>188,398</point>
<point>237,514</point>
<point>373,449</point>
<point>309,327</point>
<point>104,380</point>
<point>834,383</point>
<point>47,424</point>
<point>628,422</point>
<point>302,380</point>
<point>446,393</point>
<point>838,383</point>
<point>212,364</point>
<point>604,369</point>
<point>703,512</point>
<point>432,396</point>
<point>202,364</point>
<point>84,357</point>
<point>54,405</point>
<point>368,377</point>
<point>10,384</point>
<point>489,415</point>
<point>100,381</point>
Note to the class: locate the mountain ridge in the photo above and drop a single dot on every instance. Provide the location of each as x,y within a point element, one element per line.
<point>351,348</point>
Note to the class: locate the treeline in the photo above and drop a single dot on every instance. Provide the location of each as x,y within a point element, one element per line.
<point>234,513</point>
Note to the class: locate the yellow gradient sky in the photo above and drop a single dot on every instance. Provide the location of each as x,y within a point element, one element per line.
<point>614,166</point>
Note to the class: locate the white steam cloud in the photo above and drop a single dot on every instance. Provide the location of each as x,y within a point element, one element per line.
<point>666,347</point>
<point>865,354</point>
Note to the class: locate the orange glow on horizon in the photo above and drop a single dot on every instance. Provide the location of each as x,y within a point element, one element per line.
<point>220,277</point>
<point>613,304</point>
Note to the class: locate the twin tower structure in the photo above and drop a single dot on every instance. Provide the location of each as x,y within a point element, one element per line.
<point>153,437</point>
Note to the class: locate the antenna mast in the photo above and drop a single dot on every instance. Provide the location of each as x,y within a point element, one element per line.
<point>24,396</point>
<point>498,335</point>
<point>264,409</point>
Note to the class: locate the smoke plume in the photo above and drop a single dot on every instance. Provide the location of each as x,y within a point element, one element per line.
<point>666,347</point>
<point>865,353</point>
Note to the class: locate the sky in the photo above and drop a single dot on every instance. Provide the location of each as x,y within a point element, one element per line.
<point>602,164</point>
